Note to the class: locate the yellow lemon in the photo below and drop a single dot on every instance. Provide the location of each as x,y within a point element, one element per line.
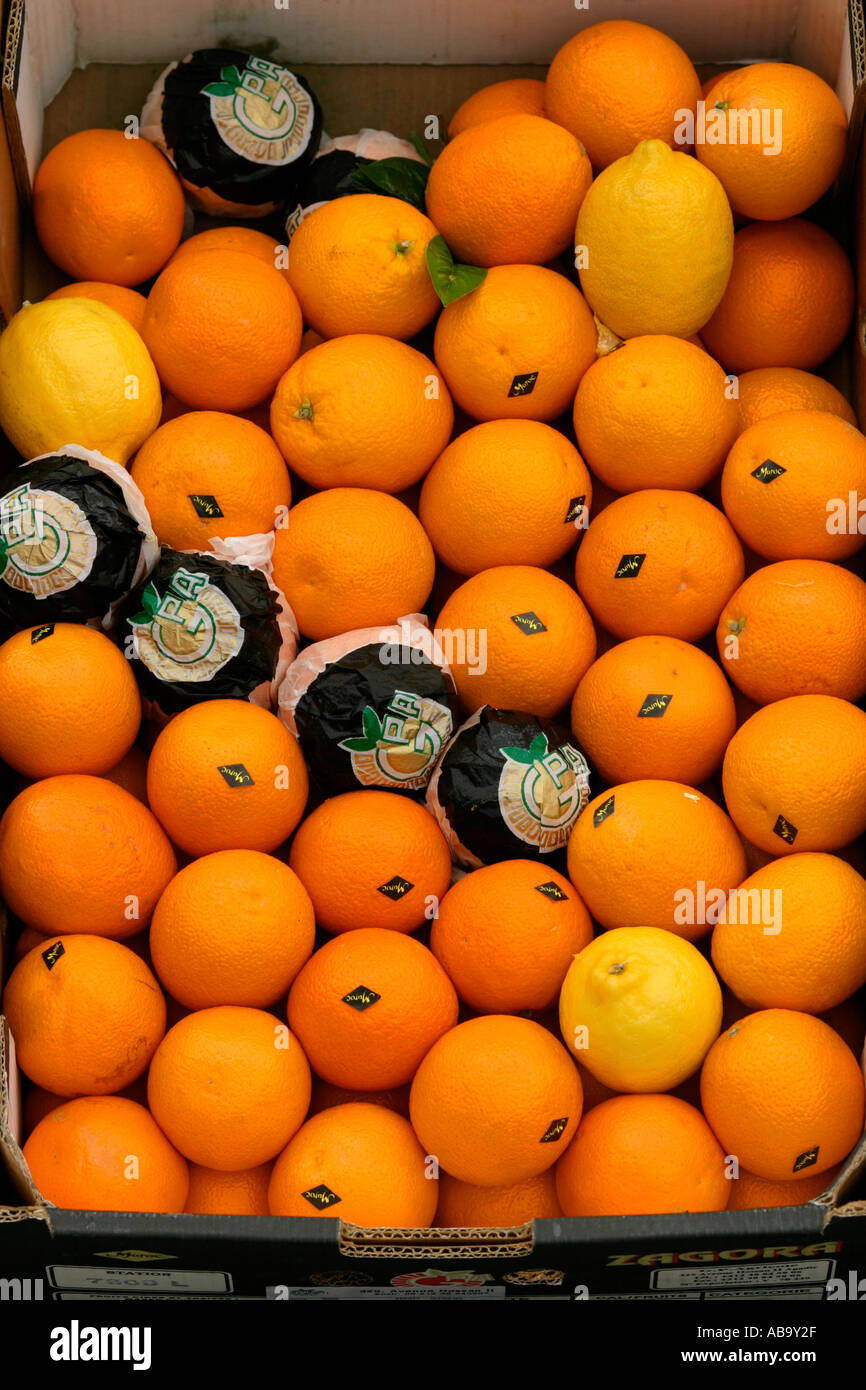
<point>655,243</point>
<point>640,1008</point>
<point>73,371</point>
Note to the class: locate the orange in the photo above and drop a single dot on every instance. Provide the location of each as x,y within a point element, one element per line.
<point>657,412</point>
<point>371,859</point>
<point>257,414</point>
<point>497,1100</point>
<point>68,701</point>
<point>244,1193</point>
<point>776,949</point>
<point>794,775</point>
<point>708,85</point>
<point>130,773</point>
<point>362,411</point>
<point>517,346</point>
<point>796,628</point>
<point>352,558</point>
<point>361,1163</point>
<point>506,935</point>
<point>617,83</point>
<point>127,302</point>
<point>28,939</point>
<point>86,1015</point>
<point>221,329</point>
<point>233,927</point>
<point>325,1095</point>
<point>107,208</point>
<point>848,1019</point>
<point>639,1008</point>
<point>659,563</point>
<point>229,1086</point>
<point>508,192</point>
<point>462,1204</point>
<point>226,774</point>
<point>210,474</point>
<point>594,1091</point>
<point>105,1153</point>
<point>368,1006</point>
<point>642,1155</point>
<point>789,300</point>
<point>649,853</point>
<point>359,265</point>
<point>784,1094</point>
<point>653,707</point>
<point>539,639</point>
<point>82,852</point>
<point>749,1191</point>
<point>247,239</point>
<point>771,390</point>
<point>794,487</point>
<point>534,519</point>
<point>516,95</point>
<point>38,1102</point>
<point>784,136</point>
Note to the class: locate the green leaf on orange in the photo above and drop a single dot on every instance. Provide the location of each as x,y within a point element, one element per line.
<point>451,280</point>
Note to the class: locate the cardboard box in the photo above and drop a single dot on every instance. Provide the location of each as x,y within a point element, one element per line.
<point>71,64</point>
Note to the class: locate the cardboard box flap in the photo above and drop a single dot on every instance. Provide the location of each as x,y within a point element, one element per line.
<point>15,1179</point>
<point>77,32</point>
<point>47,39</point>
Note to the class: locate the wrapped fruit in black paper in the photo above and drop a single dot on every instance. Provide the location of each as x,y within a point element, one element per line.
<point>508,786</point>
<point>371,708</point>
<point>209,626</point>
<point>75,538</point>
<point>342,166</point>
<point>240,130</point>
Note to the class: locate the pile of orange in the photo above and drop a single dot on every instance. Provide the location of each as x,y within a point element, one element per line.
<point>640,566</point>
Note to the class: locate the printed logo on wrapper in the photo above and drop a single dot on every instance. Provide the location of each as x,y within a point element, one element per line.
<point>542,790</point>
<point>261,112</point>
<point>399,747</point>
<point>47,545</point>
<point>188,633</point>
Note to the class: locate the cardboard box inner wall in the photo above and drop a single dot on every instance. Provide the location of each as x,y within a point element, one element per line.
<point>74,64</point>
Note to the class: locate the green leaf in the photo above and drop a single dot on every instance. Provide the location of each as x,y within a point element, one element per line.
<point>397,177</point>
<point>140,620</point>
<point>370,721</point>
<point>538,748</point>
<point>423,149</point>
<point>451,280</point>
<point>518,755</point>
<point>358,745</point>
<point>150,599</point>
<point>218,89</point>
<point>231,75</point>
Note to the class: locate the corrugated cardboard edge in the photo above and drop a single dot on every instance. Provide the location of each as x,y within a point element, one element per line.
<point>448,1243</point>
<point>33,1207</point>
<point>12,40</point>
<point>854,1168</point>
<point>857,114</point>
